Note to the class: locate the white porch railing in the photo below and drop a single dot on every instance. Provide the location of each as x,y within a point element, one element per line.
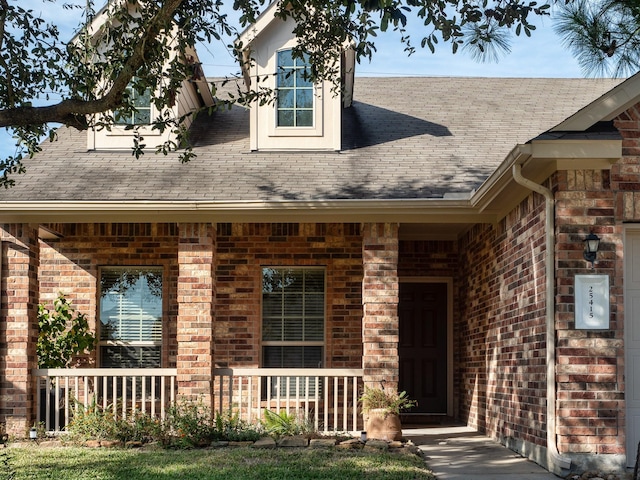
<point>327,397</point>
<point>124,390</point>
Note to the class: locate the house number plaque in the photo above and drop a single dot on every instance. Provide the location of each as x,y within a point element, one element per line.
<point>592,302</point>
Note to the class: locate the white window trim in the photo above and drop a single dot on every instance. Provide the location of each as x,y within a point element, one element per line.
<point>318,110</point>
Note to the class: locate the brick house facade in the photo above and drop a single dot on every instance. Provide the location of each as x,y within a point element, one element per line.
<point>422,210</point>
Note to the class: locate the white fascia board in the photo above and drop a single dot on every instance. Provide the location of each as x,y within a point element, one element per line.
<point>608,151</point>
<point>411,211</point>
<point>255,29</point>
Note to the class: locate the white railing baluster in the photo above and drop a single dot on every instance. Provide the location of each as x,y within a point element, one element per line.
<point>152,386</point>
<point>345,423</point>
<point>354,409</point>
<point>326,404</point>
<point>335,403</point>
<point>317,393</point>
<point>162,395</point>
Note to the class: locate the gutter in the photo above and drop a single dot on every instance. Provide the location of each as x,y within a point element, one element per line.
<point>556,463</point>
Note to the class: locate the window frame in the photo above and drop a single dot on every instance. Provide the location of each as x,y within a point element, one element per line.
<point>294,343</point>
<point>299,65</point>
<point>158,342</point>
<point>131,122</point>
<point>271,120</point>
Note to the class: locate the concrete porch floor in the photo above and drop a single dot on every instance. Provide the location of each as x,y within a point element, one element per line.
<point>461,453</point>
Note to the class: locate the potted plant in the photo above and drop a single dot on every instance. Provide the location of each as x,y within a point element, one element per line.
<point>381,410</point>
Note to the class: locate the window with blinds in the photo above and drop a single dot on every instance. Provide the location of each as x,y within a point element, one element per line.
<point>130,317</point>
<point>293,306</point>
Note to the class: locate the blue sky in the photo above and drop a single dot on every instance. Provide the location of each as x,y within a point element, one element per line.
<point>541,55</point>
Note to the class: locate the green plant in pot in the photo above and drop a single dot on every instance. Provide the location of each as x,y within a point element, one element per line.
<point>381,409</point>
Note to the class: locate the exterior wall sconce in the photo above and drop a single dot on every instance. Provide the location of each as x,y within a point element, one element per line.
<point>591,244</point>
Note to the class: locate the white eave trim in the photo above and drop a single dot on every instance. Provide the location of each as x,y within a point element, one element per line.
<point>410,211</point>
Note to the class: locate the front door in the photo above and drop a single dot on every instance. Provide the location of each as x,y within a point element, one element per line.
<point>423,345</point>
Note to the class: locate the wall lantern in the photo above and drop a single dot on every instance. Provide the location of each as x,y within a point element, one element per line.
<point>591,244</point>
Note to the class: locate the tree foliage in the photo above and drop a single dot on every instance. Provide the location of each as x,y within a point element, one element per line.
<point>63,334</point>
<point>144,45</point>
<point>602,34</point>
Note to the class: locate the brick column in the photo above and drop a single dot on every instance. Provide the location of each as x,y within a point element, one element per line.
<point>196,294</point>
<point>18,326</point>
<point>380,304</point>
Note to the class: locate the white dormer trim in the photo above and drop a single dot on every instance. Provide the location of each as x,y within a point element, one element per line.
<point>261,43</point>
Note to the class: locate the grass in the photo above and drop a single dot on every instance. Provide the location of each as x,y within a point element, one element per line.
<point>76,463</point>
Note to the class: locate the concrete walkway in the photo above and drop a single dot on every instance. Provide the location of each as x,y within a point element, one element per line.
<point>461,453</point>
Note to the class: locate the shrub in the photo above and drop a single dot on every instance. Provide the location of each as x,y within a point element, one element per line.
<point>229,426</point>
<point>92,422</point>
<point>140,427</point>
<point>62,335</point>
<point>283,424</point>
<point>190,424</point>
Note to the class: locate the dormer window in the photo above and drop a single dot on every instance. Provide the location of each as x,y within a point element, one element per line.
<point>142,114</point>
<point>295,104</point>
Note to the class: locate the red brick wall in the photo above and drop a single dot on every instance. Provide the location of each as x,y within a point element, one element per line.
<point>19,330</point>
<point>380,325</point>
<point>500,330</point>
<point>242,251</point>
<point>589,362</point>
<point>196,297</point>
<point>71,264</point>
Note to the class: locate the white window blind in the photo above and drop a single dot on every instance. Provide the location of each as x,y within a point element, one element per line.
<point>131,317</point>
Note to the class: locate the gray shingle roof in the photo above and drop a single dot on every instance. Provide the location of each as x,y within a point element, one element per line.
<point>403,138</point>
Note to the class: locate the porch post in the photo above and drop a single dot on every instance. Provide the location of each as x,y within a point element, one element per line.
<point>196,293</point>
<point>380,305</point>
<point>18,325</point>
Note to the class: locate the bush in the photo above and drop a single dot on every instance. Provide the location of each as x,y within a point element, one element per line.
<point>229,426</point>
<point>190,424</point>
<point>93,423</point>
<point>62,335</point>
<point>283,424</point>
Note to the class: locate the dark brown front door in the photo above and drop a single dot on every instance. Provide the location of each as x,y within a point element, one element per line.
<point>423,345</point>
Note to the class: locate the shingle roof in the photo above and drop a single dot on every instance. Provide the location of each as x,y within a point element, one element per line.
<point>403,138</point>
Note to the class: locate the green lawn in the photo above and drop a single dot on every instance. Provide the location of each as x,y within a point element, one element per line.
<point>73,463</point>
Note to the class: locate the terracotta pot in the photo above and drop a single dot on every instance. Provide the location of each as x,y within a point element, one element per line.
<point>383,426</point>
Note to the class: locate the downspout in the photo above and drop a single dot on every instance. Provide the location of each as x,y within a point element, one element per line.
<point>555,462</point>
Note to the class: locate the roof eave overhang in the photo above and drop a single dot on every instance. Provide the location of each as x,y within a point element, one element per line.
<point>498,195</point>
<point>539,159</point>
<point>406,211</point>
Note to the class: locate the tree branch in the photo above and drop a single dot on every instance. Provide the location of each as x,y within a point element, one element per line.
<point>72,112</point>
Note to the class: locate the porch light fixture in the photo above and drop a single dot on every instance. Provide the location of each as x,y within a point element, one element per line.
<point>591,244</point>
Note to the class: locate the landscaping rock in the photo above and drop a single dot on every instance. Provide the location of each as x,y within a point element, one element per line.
<point>295,441</point>
<point>376,445</point>
<point>265,442</point>
<point>133,444</point>
<point>353,444</point>
<point>92,443</point>
<point>219,444</point>
<point>322,443</point>
<point>240,444</point>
